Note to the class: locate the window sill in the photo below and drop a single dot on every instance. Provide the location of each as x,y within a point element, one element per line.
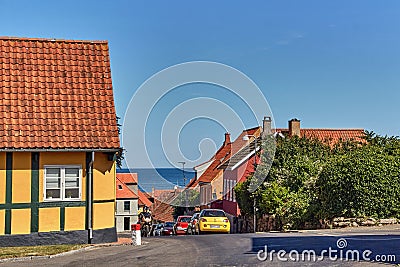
<point>61,200</point>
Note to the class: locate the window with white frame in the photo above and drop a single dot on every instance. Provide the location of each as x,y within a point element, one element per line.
<point>62,182</point>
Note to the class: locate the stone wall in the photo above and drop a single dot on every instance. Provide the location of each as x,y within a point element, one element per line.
<point>267,223</point>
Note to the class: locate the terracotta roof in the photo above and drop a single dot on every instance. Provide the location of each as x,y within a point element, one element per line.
<point>331,136</point>
<point>143,200</point>
<point>224,154</point>
<point>123,192</point>
<point>128,178</point>
<point>56,94</point>
<point>230,154</point>
<point>161,209</point>
<point>191,182</point>
<point>246,151</point>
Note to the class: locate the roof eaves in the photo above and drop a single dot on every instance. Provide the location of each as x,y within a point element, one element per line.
<point>60,149</point>
<point>14,38</point>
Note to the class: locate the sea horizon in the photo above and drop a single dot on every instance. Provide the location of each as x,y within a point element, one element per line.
<point>160,178</point>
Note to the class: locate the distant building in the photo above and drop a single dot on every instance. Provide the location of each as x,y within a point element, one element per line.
<point>127,200</point>
<point>234,161</point>
<point>162,209</point>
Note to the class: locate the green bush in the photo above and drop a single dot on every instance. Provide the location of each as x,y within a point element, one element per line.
<point>363,182</point>
<point>309,180</point>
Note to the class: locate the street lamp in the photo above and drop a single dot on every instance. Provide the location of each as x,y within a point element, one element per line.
<point>184,182</point>
<point>246,138</point>
<point>183,171</point>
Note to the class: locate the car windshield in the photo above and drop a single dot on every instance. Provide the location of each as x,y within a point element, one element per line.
<point>213,213</point>
<point>185,219</point>
<point>169,224</point>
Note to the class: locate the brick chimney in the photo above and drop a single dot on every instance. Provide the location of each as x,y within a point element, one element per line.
<point>227,138</point>
<point>266,129</point>
<point>294,127</point>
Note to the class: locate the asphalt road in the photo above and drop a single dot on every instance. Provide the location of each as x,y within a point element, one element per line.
<point>239,250</point>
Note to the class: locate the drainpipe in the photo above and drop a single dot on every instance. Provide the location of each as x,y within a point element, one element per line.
<point>90,198</point>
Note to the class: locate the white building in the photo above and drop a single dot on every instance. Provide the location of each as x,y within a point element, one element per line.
<point>126,212</point>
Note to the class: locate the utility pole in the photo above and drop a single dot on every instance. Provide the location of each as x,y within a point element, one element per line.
<point>184,183</point>
<point>246,138</point>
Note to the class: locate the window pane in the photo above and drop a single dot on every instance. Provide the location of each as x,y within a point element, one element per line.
<point>127,205</point>
<point>52,183</point>
<point>72,193</point>
<point>53,193</point>
<point>71,182</point>
<point>71,172</point>
<point>53,172</point>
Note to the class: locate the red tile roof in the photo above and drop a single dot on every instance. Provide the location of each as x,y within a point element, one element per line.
<point>223,154</point>
<point>330,136</point>
<point>161,209</point>
<point>56,94</point>
<point>143,200</point>
<point>123,192</point>
<point>128,178</point>
<point>162,212</point>
<point>227,151</point>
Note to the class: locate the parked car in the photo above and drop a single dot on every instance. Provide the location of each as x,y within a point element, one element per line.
<point>191,229</point>
<point>168,228</point>
<point>181,224</point>
<point>213,220</point>
<point>158,230</point>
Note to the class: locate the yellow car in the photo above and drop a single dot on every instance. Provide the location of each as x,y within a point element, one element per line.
<point>213,220</point>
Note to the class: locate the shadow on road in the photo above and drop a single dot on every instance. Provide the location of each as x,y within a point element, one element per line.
<point>374,248</point>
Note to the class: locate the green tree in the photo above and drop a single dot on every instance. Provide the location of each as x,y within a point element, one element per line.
<point>288,190</point>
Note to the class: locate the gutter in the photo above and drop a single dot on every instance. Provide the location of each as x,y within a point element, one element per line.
<point>90,199</point>
<point>59,150</point>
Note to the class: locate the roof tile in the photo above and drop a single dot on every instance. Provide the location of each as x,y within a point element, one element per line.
<point>56,88</point>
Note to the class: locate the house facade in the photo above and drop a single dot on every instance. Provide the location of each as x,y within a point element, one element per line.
<point>241,164</point>
<point>127,201</point>
<point>236,162</point>
<point>58,142</point>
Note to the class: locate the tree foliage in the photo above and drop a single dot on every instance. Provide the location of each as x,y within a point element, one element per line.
<point>310,180</point>
<point>363,182</point>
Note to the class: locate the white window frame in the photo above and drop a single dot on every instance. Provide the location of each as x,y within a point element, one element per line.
<point>62,186</point>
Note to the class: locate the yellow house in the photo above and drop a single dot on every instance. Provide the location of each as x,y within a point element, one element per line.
<point>58,142</point>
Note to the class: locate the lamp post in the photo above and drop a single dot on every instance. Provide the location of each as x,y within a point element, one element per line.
<point>246,138</point>
<point>184,181</point>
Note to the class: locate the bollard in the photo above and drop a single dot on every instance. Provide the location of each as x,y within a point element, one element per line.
<point>136,235</point>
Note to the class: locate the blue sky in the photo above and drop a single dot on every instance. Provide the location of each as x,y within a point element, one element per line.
<point>332,64</point>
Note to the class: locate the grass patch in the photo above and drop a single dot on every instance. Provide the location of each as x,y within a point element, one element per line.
<point>16,252</point>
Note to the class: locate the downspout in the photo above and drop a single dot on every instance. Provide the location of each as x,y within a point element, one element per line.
<point>90,198</point>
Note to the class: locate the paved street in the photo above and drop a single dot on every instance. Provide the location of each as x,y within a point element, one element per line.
<point>232,250</point>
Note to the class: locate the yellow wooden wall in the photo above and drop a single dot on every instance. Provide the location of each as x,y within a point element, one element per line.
<point>49,217</point>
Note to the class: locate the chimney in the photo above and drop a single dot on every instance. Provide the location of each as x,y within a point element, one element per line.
<point>266,129</point>
<point>227,138</point>
<point>294,127</point>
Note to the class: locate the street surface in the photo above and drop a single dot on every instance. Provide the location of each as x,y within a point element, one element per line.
<point>235,249</point>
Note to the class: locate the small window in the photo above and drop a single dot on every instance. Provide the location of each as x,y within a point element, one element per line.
<point>127,205</point>
<point>119,187</point>
<point>62,183</point>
